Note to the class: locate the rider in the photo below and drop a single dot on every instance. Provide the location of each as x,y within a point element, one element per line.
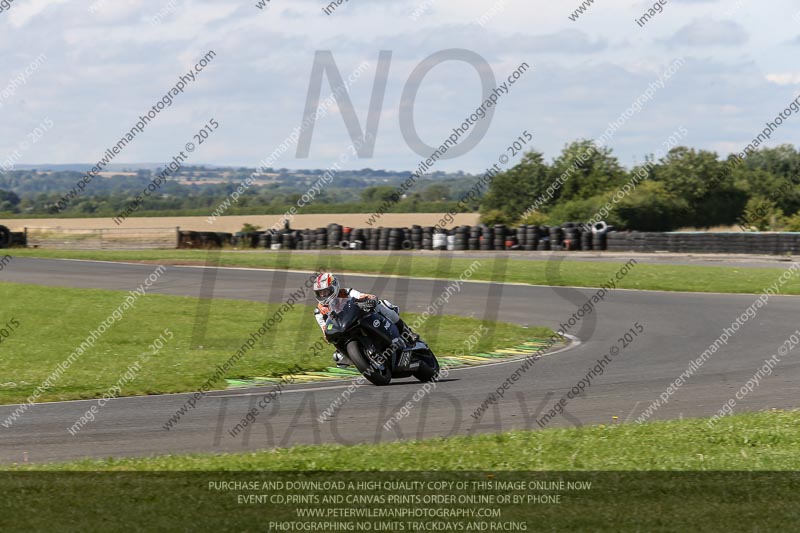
<point>327,290</point>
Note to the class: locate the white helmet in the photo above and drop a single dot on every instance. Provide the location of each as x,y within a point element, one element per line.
<point>326,288</point>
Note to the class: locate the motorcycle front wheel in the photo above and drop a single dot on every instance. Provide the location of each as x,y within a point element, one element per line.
<point>377,374</point>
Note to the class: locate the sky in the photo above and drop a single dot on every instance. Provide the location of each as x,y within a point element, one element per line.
<point>100,64</point>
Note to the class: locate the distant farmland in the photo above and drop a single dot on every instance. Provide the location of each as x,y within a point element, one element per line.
<point>233,224</point>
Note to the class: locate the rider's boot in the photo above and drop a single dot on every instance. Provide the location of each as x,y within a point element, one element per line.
<point>341,360</point>
<point>406,333</point>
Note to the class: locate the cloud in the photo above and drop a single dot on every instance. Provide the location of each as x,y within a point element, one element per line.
<point>785,78</point>
<point>107,67</point>
<point>704,33</point>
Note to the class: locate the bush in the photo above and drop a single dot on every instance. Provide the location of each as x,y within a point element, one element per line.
<point>651,207</point>
<point>536,218</point>
<point>761,214</point>
<point>792,223</point>
<point>582,210</point>
<point>496,216</point>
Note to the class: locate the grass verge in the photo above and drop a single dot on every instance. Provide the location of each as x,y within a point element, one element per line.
<point>743,442</point>
<point>53,322</point>
<point>598,478</point>
<point>565,273</point>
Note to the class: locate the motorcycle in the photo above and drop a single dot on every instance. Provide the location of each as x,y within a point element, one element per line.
<point>374,344</point>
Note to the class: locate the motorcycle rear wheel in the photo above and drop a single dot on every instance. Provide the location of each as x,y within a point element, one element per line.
<point>376,376</point>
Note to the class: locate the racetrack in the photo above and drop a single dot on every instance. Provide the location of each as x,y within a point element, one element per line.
<point>678,327</point>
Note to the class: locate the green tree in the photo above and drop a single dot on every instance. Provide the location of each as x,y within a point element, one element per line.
<point>704,182</point>
<point>515,190</point>
<point>783,191</point>
<point>792,223</point>
<point>9,197</point>
<point>496,216</point>
<point>436,193</point>
<point>782,161</point>
<point>379,193</point>
<point>586,171</point>
<point>651,207</point>
<point>761,214</point>
<point>581,210</point>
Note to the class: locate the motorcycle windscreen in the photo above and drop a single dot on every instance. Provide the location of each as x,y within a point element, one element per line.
<point>343,313</point>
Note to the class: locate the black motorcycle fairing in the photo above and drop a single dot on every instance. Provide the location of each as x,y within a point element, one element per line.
<point>368,338</point>
<point>347,315</point>
<point>380,326</point>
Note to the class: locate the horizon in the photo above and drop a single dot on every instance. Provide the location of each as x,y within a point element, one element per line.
<point>728,78</point>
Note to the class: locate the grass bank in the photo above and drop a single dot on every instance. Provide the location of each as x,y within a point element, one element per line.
<point>743,442</point>
<point>554,273</point>
<point>53,322</point>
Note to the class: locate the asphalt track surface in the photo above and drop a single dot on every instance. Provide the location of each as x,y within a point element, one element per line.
<point>678,327</point>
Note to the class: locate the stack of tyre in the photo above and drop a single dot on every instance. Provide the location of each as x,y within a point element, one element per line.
<point>320,238</point>
<point>544,238</point>
<point>528,237</point>
<point>556,238</point>
<point>211,239</point>
<point>383,241</point>
<point>587,239</point>
<point>335,232</point>
<point>359,239</point>
<point>500,232</point>
<point>396,238</point>
<point>486,238</point>
<point>371,237</point>
<point>571,236</point>
<point>439,239</point>
<point>5,237</point>
<point>246,239</point>
<point>288,240</point>
<point>600,231</point>
<point>474,240</point>
<point>308,239</point>
<point>460,238</point>
<point>416,237</point>
<point>265,241</point>
<point>427,237</point>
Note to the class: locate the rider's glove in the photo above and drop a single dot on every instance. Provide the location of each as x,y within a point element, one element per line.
<point>368,305</point>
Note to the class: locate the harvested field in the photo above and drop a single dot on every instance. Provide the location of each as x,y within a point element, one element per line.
<point>233,224</point>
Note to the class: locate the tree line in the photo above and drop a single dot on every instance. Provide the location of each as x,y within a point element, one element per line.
<point>685,188</point>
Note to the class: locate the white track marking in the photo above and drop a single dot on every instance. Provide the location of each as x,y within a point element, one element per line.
<point>347,383</point>
<point>365,275</point>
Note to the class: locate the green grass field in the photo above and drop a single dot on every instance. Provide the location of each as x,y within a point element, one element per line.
<point>661,476</point>
<point>54,321</point>
<point>563,273</point>
<point>743,442</point>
